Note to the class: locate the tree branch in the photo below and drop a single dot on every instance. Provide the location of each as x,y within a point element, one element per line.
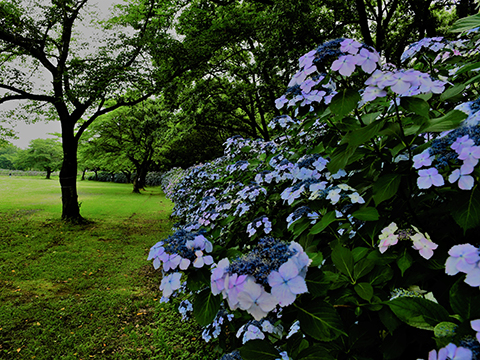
<point>23,95</point>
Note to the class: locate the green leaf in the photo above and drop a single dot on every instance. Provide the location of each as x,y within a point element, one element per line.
<point>362,135</point>
<point>447,122</point>
<point>362,268</point>
<point>416,105</point>
<point>326,220</point>
<point>467,67</point>
<point>465,24</point>
<point>380,275</point>
<point>198,279</point>
<point>465,300</point>
<point>340,158</point>
<point>466,208</point>
<point>472,80</point>
<point>453,91</point>
<point>343,260</point>
<point>388,319</point>
<point>317,259</point>
<point>258,350</point>
<point>206,306</point>
<point>320,320</point>
<point>364,290</point>
<point>366,214</point>
<point>386,187</point>
<point>344,102</point>
<point>418,312</point>
<point>317,283</point>
<point>359,253</point>
<point>371,117</point>
<point>313,353</point>
<point>404,262</point>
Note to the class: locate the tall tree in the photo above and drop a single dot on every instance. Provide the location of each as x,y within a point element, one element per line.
<point>41,154</point>
<point>85,76</point>
<point>135,134</point>
<point>235,91</point>
<point>8,154</point>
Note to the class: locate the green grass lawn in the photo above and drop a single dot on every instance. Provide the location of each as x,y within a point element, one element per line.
<point>83,292</point>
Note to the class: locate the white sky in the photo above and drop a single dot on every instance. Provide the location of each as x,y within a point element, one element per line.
<point>40,129</point>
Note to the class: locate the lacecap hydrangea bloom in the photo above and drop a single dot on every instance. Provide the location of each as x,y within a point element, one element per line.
<point>272,274</point>
<point>179,250</point>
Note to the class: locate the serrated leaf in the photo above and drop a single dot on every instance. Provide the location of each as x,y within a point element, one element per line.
<point>362,135</point>
<point>465,300</point>
<point>404,262</point>
<point>315,352</point>
<point>364,290</point>
<point>317,283</point>
<point>317,259</point>
<point>366,214</point>
<point>386,187</point>
<point>418,312</point>
<point>362,268</point>
<point>466,209</point>
<point>447,122</point>
<point>326,220</point>
<point>206,306</point>
<point>453,91</point>
<point>416,105</point>
<point>367,119</point>
<point>467,67</point>
<point>198,279</point>
<point>465,24</point>
<point>258,350</point>
<point>472,80</point>
<point>340,158</point>
<point>388,318</point>
<point>320,320</point>
<point>359,253</point>
<point>343,260</point>
<point>344,102</point>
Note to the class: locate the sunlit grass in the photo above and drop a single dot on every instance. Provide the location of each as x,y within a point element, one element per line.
<point>81,292</point>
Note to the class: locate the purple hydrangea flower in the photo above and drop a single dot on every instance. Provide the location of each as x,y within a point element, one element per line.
<point>345,65</point>
<point>286,283</point>
<point>429,177</point>
<point>462,259</point>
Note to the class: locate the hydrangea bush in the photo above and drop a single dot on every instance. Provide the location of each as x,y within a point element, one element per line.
<point>353,233</point>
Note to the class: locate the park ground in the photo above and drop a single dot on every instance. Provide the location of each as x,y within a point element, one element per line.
<point>83,292</point>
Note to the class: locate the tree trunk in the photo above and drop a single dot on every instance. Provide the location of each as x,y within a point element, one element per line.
<point>139,180</point>
<point>68,176</point>
<point>49,172</point>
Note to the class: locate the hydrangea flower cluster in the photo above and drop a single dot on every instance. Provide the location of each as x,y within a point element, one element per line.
<point>179,251</point>
<point>214,329</point>
<point>256,224</point>
<point>464,258</point>
<point>451,352</point>
<point>471,108</point>
<point>256,330</point>
<point>401,83</point>
<point>272,265</point>
<point>460,149</point>
<point>185,308</point>
<point>421,242</point>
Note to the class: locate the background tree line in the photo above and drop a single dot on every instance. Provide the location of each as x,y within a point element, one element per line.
<point>217,65</point>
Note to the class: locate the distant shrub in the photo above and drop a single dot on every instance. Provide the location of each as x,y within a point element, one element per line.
<point>7,172</point>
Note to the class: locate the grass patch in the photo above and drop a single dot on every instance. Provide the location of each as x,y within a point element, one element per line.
<point>82,292</point>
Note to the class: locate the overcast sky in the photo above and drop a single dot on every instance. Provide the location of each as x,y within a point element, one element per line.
<point>28,132</point>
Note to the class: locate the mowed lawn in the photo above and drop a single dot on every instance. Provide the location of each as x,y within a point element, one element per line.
<point>83,292</point>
